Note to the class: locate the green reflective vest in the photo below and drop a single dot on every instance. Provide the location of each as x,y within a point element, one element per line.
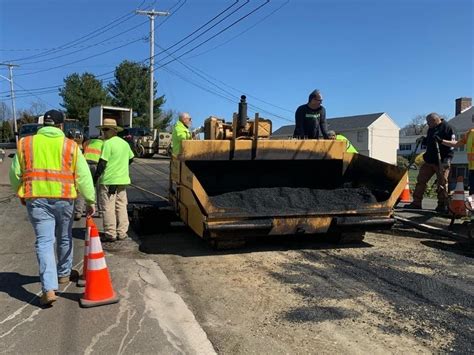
<point>93,150</point>
<point>180,133</point>
<point>48,167</point>
<point>349,147</point>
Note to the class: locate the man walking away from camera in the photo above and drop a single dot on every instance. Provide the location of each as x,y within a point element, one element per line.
<point>46,170</point>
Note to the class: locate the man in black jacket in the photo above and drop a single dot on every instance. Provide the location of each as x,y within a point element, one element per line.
<point>310,118</point>
<point>438,130</point>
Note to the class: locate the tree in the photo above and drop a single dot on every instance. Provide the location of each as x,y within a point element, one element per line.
<point>131,88</point>
<point>6,132</point>
<point>80,93</point>
<point>417,126</point>
<point>5,112</point>
<point>37,108</point>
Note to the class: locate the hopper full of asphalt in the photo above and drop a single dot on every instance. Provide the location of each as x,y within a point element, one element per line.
<point>270,200</point>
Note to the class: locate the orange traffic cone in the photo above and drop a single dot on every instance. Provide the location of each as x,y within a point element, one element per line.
<point>99,290</point>
<point>82,279</point>
<point>405,196</point>
<point>457,205</point>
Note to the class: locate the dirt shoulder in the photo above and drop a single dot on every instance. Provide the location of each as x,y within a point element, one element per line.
<point>398,292</point>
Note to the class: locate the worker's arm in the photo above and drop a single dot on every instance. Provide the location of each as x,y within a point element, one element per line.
<point>101,165</point>
<point>15,173</point>
<point>299,119</point>
<point>84,179</point>
<point>323,124</point>
<point>452,143</point>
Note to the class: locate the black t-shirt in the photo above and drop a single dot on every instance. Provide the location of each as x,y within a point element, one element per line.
<point>444,131</point>
<point>310,123</point>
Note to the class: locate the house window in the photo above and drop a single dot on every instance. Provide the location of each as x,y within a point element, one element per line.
<point>405,147</point>
<point>360,136</point>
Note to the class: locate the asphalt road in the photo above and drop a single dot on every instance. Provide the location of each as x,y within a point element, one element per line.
<point>150,317</point>
<point>398,292</point>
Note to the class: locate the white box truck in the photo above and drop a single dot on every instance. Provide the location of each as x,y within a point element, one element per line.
<point>122,115</point>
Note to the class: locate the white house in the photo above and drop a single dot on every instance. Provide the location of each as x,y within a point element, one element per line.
<point>375,135</point>
<point>461,122</point>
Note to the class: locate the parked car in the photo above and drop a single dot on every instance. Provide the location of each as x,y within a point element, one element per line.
<point>141,141</point>
<point>29,129</point>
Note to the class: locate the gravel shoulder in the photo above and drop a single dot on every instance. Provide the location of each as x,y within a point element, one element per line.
<point>397,292</point>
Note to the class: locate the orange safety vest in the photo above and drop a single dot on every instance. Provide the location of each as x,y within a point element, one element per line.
<point>48,167</point>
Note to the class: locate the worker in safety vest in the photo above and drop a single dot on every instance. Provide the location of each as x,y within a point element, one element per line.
<point>113,176</point>
<point>339,137</point>
<point>181,132</point>
<point>468,140</point>
<point>46,172</point>
<point>92,150</point>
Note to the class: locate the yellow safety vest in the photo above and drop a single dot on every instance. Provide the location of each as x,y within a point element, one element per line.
<point>93,150</point>
<point>470,149</point>
<point>48,167</point>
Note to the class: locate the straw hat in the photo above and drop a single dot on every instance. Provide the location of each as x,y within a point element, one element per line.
<point>110,123</point>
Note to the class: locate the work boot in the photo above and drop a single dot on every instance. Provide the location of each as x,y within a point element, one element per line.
<point>122,237</point>
<point>107,238</point>
<point>441,209</point>
<point>73,276</point>
<point>47,298</point>
<point>413,206</point>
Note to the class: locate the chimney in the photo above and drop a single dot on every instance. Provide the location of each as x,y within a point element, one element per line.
<point>462,103</point>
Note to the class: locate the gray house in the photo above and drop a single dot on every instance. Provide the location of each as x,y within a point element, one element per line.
<point>374,135</point>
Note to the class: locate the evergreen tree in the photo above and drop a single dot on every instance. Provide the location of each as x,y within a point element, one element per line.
<point>80,93</point>
<point>131,89</point>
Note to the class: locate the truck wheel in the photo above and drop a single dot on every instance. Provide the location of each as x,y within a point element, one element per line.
<point>139,151</point>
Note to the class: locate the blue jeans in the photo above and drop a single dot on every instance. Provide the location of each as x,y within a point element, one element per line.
<point>52,221</point>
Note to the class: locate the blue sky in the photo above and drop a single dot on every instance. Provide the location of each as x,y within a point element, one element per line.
<point>403,57</point>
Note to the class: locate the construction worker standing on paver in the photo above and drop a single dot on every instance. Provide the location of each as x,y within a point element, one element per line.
<point>437,129</point>
<point>46,170</point>
<point>468,140</point>
<point>92,152</point>
<point>113,176</point>
<point>310,118</point>
<point>181,132</point>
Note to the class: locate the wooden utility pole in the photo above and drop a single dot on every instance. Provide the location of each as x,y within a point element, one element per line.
<point>152,14</point>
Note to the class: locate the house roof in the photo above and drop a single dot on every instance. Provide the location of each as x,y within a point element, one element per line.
<point>464,121</point>
<point>337,124</point>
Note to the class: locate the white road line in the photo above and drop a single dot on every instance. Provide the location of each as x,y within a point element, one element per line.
<point>20,310</point>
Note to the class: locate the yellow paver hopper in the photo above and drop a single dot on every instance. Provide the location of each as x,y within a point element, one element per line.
<point>225,189</point>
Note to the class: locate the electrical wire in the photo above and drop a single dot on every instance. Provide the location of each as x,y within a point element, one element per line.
<point>86,37</point>
<point>218,33</point>
<point>241,33</point>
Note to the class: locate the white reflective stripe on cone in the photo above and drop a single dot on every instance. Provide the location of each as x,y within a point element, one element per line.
<point>96,264</point>
<point>95,246</point>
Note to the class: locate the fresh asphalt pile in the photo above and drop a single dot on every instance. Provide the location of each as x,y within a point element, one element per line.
<point>276,199</point>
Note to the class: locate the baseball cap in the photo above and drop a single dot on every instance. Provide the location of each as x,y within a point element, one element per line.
<point>53,117</point>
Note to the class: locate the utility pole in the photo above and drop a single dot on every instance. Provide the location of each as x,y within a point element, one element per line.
<point>151,15</point>
<point>12,95</point>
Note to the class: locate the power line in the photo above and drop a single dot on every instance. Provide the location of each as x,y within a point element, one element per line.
<point>241,33</point>
<point>84,38</point>
<point>83,59</point>
<point>218,33</point>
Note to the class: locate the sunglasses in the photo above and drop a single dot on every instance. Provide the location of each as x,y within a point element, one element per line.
<point>105,129</point>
